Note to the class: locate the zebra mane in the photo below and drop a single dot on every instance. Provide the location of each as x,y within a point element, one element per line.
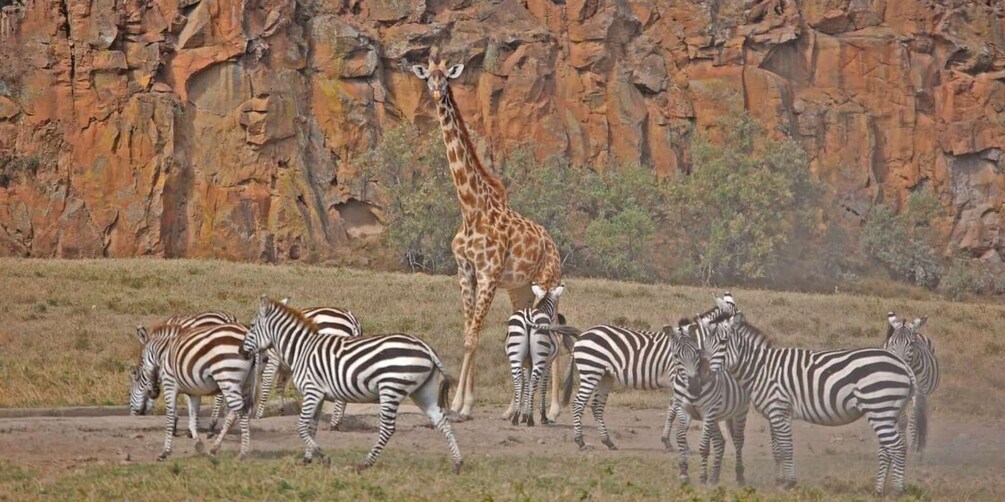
<point>294,314</point>
<point>164,328</point>
<point>750,333</point>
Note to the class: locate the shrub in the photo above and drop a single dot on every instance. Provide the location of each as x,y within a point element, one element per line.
<point>746,199</point>
<point>899,243</point>
<point>547,194</point>
<point>964,276</point>
<point>421,209</point>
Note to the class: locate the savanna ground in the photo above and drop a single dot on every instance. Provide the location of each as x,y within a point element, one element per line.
<point>66,332</point>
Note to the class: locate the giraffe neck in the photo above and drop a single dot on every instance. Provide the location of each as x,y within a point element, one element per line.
<point>477,188</point>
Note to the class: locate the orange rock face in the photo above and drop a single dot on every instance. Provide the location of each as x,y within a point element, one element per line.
<point>219,128</point>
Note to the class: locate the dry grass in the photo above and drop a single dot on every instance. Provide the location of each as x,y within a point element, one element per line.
<point>67,326</point>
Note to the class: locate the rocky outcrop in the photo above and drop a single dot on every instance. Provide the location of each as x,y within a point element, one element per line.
<point>229,128</point>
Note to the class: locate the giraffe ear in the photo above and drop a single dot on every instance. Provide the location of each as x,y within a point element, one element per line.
<point>455,71</point>
<point>420,71</point>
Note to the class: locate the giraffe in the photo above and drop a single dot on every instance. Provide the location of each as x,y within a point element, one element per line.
<point>495,247</point>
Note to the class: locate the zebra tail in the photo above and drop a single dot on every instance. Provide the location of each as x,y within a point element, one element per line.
<point>567,388</point>
<point>444,396</point>
<point>251,390</point>
<point>565,331</point>
<point>920,431</point>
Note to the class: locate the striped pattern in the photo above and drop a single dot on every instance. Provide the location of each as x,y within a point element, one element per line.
<point>197,362</point>
<point>711,395</point>
<point>530,352</point>
<point>139,404</point>
<point>906,342</point>
<point>384,369</point>
<point>606,354</point>
<point>330,321</point>
<point>834,387</point>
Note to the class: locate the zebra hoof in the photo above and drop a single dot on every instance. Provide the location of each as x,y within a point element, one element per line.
<point>609,444</point>
<point>456,469</point>
<point>789,485</point>
<point>515,420</point>
<point>362,467</point>
<point>667,445</point>
<point>580,443</point>
<point>163,456</point>
<point>685,479</point>
<point>530,422</point>
<point>545,420</point>
<point>457,417</point>
<point>241,457</point>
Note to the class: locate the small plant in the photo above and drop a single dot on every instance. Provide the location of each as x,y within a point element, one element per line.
<point>899,242</point>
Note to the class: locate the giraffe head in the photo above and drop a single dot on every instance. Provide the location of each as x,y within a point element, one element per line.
<point>436,74</point>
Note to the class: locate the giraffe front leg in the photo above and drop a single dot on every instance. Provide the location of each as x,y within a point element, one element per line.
<point>487,283</point>
<point>466,279</point>
<point>555,407</point>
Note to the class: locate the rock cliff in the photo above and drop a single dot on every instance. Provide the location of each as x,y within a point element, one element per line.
<point>228,128</point>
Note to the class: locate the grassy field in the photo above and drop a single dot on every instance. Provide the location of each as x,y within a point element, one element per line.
<point>67,332</point>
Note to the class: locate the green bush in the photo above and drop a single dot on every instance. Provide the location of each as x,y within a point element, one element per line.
<point>421,209</point>
<point>965,276</point>
<point>899,242</point>
<point>745,201</point>
<point>546,194</point>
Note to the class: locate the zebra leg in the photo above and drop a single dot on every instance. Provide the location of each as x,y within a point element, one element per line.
<point>587,384</point>
<point>388,414</point>
<point>338,411</point>
<point>703,448</point>
<point>194,402</point>
<point>737,424</point>
<point>599,403</point>
<point>535,380</point>
<point>268,379</point>
<point>170,402</point>
<point>682,449</point>
<point>214,417</point>
<point>525,406</point>
<point>245,421</point>
<point>235,407</point>
<point>672,411</point>
<point>781,446</point>
<point>545,381</point>
<point>513,414</point>
<point>892,450</point>
<point>316,419</point>
<point>719,448</point>
<point>427,399</point>
<point>308,413</point>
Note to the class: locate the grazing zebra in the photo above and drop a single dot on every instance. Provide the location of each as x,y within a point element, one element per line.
<point>198,362</point>
<point>383,369</point>
<point>330,321</point>
<point>208,318</point>
<point>604,354</point>
<point>918,351</point>
<point>526,346</point>
<point>833,387</point>
<point>709,393</point>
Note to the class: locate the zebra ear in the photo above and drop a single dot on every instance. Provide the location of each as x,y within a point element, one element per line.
<point>134,371</point>
<point>559,290</point>
<point>720,303</point>
<point>538,291</point>
<point>142,335</point>
<point>919,322</point>
<point>892,319</point>
<point>285,300</point>
<point>728,298</point>
<point>263,304</point>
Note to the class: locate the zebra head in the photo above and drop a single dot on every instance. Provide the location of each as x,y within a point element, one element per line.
<point>724,347</point>
<point>260,336</point>
<point>437,74</point>
<point>725,306</point>
<point>692,363</point>
<point>140,401</point>
<point>902,336</point>
<point>546,303</point>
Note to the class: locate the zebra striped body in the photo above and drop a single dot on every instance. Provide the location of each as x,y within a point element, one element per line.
<point>197,362</point>
<point>918,351</point>
<point>533,349</point>
<point>330,321</point>
<point>834,387</point>
<point>605,354</point>
<point>209,318</point>
<point>710,394</point>
<point>383,369</point>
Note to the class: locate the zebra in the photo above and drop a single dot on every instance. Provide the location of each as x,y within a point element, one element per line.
<point>604,353</point>
<point>197,362</point>
<point>833,387</point>
<point>918,351</point>
<point>384,369</point>
<point>207,318</point>
<point>330,321</point>
<point>527,346</point>
<point>702,325</point>
<point>707,392</point>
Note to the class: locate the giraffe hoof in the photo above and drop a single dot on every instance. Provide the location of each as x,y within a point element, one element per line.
<point>458,417</point>
<point>456,469</point>
<point>545,421</point>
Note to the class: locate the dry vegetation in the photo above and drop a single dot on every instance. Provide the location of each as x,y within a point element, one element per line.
<point>66,328</point>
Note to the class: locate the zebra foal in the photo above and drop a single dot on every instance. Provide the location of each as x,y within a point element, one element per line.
<point>532,350</point>
<point>384,369</point>
<point>833,387</point>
